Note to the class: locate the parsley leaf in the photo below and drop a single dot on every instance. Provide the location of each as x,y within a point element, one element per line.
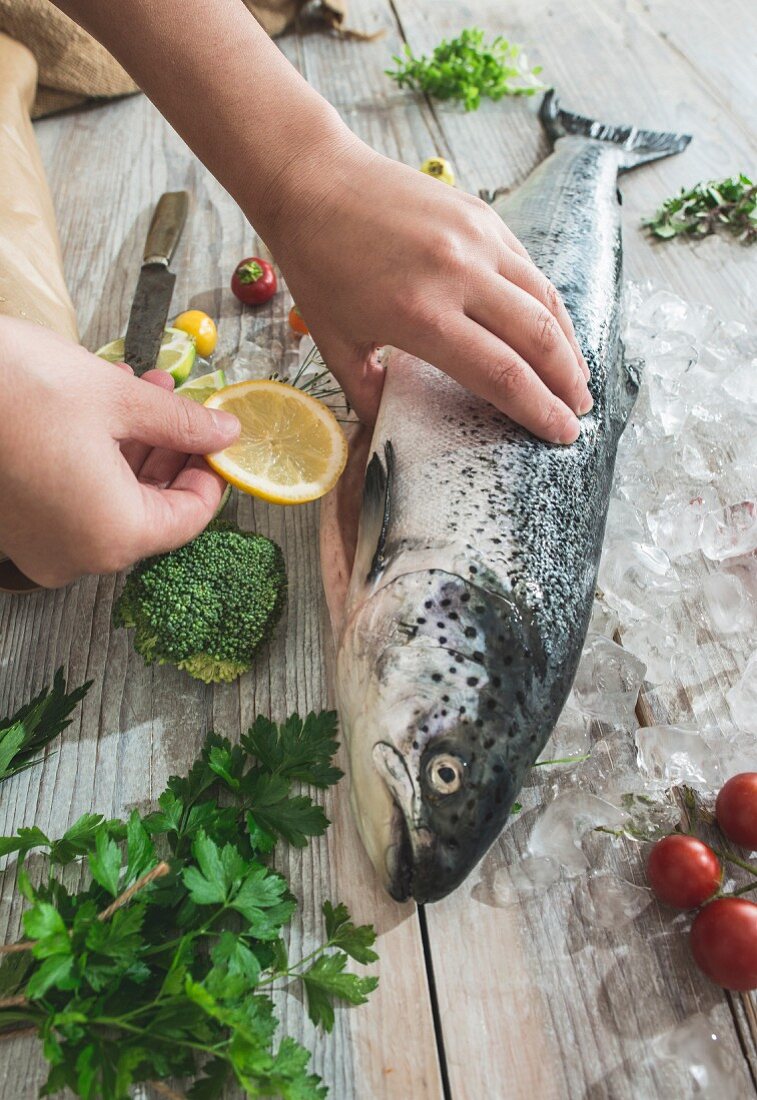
<point>729,206</point>
<point>25,733</point>
<point>297,749</point>
<point>357,941</point>
<point>327,981</point>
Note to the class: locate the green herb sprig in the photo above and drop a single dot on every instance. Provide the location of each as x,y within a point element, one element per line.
<point>468,69</point>
<point>729,206</point>
<point>24,734</point>
<point>163,964</point>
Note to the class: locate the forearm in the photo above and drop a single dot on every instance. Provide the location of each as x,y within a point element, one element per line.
<point>225,87</point>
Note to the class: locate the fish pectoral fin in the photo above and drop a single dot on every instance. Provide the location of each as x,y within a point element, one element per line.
<point>377,513</point>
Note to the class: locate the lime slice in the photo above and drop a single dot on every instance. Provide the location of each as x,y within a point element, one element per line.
<point>200,389</point>
<point>177,354</point>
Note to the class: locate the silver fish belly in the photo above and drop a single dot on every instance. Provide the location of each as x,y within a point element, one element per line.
<point>478,549</point>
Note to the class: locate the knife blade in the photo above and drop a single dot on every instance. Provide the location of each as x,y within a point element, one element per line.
<point>152,298</point>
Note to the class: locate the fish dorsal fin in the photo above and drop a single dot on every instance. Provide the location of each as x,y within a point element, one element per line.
<point>376,514</point>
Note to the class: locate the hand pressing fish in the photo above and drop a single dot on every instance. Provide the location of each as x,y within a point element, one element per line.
<point>474,566</point>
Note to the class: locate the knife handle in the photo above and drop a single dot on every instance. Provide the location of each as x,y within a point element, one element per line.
<point>165,227</point>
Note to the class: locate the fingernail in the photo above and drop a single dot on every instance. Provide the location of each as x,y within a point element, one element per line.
<point>226,423</point>
<point>586,402</point>
<point>571,431</point>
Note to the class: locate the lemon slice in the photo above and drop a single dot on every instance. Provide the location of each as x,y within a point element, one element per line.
<point>177,353</point>
<point>200,389</point>
<point>291,449</point>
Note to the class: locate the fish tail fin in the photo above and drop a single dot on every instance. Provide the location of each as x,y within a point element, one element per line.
<point>637,146</point>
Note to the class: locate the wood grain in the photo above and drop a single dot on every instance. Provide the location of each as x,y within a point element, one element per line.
<point>533,998</point>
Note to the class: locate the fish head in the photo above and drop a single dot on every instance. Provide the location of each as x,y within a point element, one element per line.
<point>441,690</point>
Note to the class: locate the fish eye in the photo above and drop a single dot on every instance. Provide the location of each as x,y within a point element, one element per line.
<point>445,774</point>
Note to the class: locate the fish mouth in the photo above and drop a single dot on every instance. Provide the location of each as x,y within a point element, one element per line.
<point>417,864</point>
<point>399,858</point>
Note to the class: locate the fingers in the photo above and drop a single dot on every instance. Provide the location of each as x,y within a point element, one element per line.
<point>526,275</point>
<point>149,415</point>
<point>534,333</point>
<point>175,515</point>
<point>136,453</point>
<point>481,362</point>
<point>358,372</point>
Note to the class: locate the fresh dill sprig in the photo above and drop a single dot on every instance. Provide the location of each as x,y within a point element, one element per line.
<point>468,69</point>
<point>729,205</point>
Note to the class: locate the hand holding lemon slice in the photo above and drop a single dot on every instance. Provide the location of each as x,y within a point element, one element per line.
<point>291,449</point>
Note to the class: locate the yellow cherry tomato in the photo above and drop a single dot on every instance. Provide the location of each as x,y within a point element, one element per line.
<point>201,328</point>
<point>440,169</point>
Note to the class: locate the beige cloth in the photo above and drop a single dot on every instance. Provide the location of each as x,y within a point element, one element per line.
<point>73,67</point>
<point>31,268</point>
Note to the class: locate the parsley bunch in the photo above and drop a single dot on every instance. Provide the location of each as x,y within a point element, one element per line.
<point>467,69</point>
<point>729,205</point>
<point>163,963</point>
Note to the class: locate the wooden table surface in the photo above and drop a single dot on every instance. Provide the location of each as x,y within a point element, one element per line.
<point>476,1000</point>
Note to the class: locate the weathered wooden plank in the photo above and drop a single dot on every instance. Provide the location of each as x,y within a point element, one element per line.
<point>107,166</point>
<point>533,974</point>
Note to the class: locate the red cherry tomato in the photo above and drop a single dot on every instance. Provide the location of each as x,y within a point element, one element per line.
<point>723,942</point>
<point>683,871</point>
<point>297,322</point>
<point>736,809</point>
<point>253,281</point>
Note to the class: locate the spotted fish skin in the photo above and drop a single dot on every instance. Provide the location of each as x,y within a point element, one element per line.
<point>479,546</point>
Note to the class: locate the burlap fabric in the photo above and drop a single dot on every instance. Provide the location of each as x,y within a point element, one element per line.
<point>73,67</point>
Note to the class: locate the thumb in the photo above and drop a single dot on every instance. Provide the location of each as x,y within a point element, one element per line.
<point>163,419</point>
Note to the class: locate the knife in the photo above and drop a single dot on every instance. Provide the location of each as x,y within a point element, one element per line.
<point>152,298</point>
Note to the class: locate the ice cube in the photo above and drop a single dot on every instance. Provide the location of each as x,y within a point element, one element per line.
<point>560,828</point>
<point>674,362</point>
<point>530,875</point>
<point>604,620</point>
<point>570,737</point>
<point>676,524</point>
<point>636,575</point>
<point>695,1045</point>
<point>730,532</point>
<point>608,680</point>
<point>666,312</point>
<point>729,605</point>
<point>741,384</point>
<point>653,644</point>
<point>609,901</point>
<point>624,521</point>
<point>670,402</point>
<point>742,698</point>
<point>671,755</point>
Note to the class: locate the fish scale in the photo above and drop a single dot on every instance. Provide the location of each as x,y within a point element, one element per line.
<point>479,545</point>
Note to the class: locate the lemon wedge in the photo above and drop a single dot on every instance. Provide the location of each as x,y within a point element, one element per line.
<point>291,449</point>
<point>177,353</point>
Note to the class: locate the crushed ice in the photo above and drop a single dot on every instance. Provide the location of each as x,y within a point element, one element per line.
<point>681,529</point>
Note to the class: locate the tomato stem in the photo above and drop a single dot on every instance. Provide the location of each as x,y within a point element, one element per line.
<point>729,857</point>
<point>741,890</point>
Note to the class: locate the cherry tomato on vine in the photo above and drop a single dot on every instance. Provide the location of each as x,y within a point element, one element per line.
<point>683,871</point>
<point>201,328</point>
<point>723,942</point>
<point>253,281</point>
<point>297,322</point>
<point>736,809</point>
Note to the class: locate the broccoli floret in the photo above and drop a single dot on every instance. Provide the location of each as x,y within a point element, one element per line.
<point>208,607</point>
